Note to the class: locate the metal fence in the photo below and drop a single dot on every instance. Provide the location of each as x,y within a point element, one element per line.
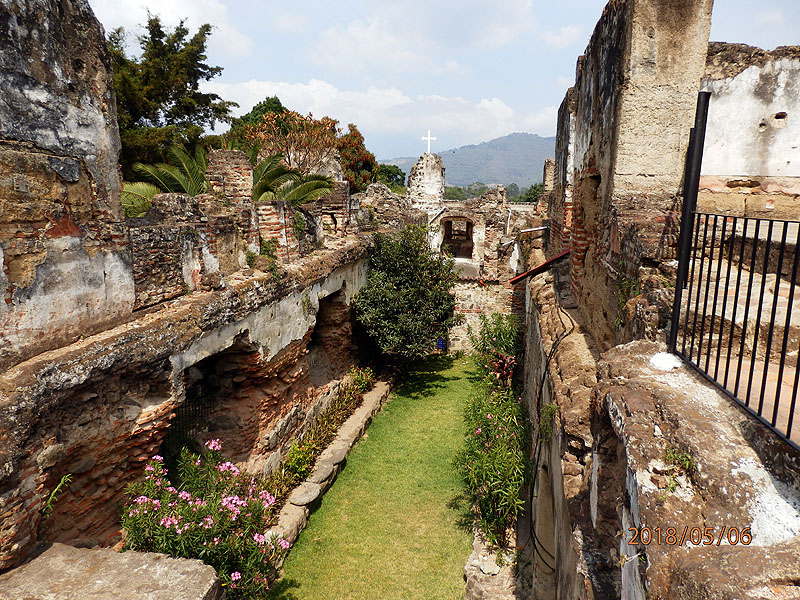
<point>734,317</point>
<point>738,322</point>
<point>191,417</point>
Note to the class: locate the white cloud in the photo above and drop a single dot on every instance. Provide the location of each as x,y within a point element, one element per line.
<point>770,17</point>
<point>289,22</point>
<point>388,112</point>
<point>375,42</point>
<point>566,36</point>
<point>225,40</point>
<point>422,36</point>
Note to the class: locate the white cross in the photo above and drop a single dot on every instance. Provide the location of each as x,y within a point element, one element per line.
<point>429,139</point>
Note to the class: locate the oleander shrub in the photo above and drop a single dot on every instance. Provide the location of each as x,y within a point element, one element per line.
<point>214,513</point>
<point>495,346</point>
<point>493,462</point>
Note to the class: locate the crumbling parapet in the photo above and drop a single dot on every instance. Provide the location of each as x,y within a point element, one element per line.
<point>632,443</point>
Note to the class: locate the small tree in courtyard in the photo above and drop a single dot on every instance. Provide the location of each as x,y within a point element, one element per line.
<point>406,304</point>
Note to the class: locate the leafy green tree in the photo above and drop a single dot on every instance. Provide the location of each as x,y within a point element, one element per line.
<point>159,102</point>
<point>390,175</point>
<point>532,193</point>
<point>406,304</point>
<point>452,192</point>
<point>269,105</point>
<point>358,163</point>
<point>512,191</point>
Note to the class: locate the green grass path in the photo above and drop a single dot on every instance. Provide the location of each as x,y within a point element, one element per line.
<point>389,527</point>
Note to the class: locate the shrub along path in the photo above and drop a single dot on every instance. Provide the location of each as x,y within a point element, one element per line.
<point>392,525</point>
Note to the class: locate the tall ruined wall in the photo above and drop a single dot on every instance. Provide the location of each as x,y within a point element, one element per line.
<point>559,207</point>
<point>751,159</point>
<point>66,265</point>
<point>636,89</point>
<point>426,183</point>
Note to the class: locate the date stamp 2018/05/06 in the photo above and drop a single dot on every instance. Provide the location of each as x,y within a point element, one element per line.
<point>706,536</point>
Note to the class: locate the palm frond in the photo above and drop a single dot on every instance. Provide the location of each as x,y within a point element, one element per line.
<point>155,175</point>
<point>193,169</point>
<point>306,189</point>
<point>137,197</point>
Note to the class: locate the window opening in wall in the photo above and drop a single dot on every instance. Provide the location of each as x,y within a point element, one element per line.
<point>191,417</point>
<point>457,240</point>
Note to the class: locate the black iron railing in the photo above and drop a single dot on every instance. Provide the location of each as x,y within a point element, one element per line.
<point>191,417</point>
<point>735,318</point>
<point>738,322</point>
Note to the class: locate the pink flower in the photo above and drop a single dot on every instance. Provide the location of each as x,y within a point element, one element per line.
<point>158,458</point>
<point>228,466</point>
<point>214,444</point>
<point>259,538</point>
<point>235,576</point>
<point>478,431</point>
<point>283,544</point>
<point>149,468</point>
<point>489,416</point>
<point>184,495</point>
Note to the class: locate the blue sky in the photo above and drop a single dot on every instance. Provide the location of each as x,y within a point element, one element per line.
<point>469,70</point>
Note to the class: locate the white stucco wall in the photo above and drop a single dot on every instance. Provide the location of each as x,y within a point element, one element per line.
<point>744,136</point>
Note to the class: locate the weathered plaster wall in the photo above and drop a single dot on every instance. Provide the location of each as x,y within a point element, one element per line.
<point>101,407</point>
<point>751,159</point>
<point>636,88</point>
<point>66,266</point>
<point>426,183</point>
<point>754,114</point>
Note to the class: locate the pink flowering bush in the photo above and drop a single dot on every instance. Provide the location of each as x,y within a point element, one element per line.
<point>493,461</point>
<point>216,514</point>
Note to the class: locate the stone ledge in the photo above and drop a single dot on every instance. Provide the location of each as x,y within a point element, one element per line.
<point>66,573</point>
<point>293,518</point>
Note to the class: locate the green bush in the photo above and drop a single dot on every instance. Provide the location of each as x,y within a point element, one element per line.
<point>494,344</point>
<point>214,513</point>
<point>406,304</point>
<point>299,461</point>
<point>363,378</point>
<point>493,463</point>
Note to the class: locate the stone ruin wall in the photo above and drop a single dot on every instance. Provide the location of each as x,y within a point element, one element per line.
<point>559,201</point>
<point>634,102</point>
<point>64,247</point>
<point>111,324</point>
<point>751,159</point>
<point>621,143</point>
<point>426,183</point>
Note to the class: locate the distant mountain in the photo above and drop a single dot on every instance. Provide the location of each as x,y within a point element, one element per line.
<point>514,158</point>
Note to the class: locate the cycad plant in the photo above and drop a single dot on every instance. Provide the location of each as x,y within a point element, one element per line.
<point>275,182</point>
<point>187,175</point>
<point>137,197</point>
